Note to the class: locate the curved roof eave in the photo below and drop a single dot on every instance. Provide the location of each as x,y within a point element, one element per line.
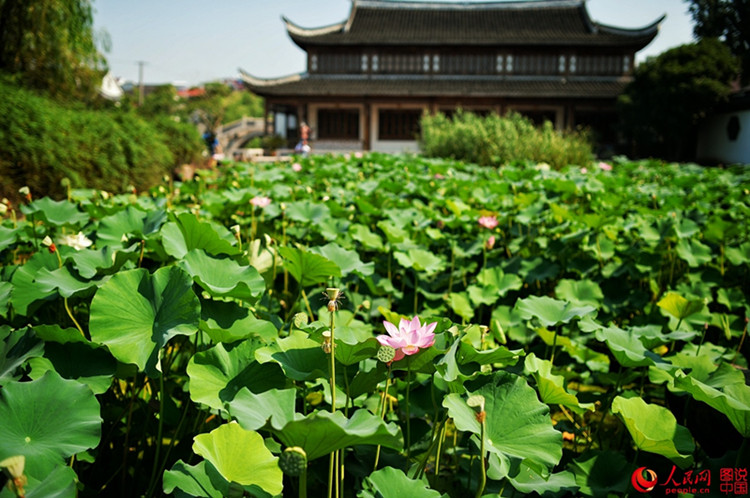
<point>651,29</point>
<point>298,33</point>
<point>259,83</point>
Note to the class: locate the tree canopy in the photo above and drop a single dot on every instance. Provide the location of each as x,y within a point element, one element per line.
<point>670,93</point>
<point>727,20</point>
<point>50,44</point>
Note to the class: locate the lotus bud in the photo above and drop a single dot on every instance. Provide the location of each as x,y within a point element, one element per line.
<point>25,192</point>
<point>477,402</point>
<point>47,242</point>
<point>326,346</point>
<point>3,209</point>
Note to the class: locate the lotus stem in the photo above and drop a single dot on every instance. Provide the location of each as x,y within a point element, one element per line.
<point>408,412</point>
<point>333,470</point>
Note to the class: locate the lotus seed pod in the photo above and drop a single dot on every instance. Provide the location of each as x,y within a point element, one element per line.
<point>386,354</point>
<point>293,461</point>
<point>300,320</point>
<point>477,402</point>
<point>333,293</point>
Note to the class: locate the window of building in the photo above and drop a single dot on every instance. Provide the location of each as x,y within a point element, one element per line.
<point>535,64</point>
<point>314,63</point>
<point>469,64</point>
<point>626,64</point>
<point>398,124</point>
<point>499,64</point>
<point>509,64</point>
<point>340,63</point>
<point>400,63</point>
<point>561,64</point>
<point>340,124</point>
<point>375,63</point>
<point>573,64</point>
<point>364,63</point>
<point>435,63</point>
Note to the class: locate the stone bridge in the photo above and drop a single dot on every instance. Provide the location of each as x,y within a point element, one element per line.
<point>233,137</point>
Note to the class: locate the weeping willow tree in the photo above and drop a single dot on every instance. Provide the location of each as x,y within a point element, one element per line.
<point>50,45</point>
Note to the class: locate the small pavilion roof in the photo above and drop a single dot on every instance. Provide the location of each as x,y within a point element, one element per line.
<point>530,22</point>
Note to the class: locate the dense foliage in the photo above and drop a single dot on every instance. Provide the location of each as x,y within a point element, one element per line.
<point>51,45</point>
<point>669,95</point>
<point>495,140</point>
<point>577,325</point>
<point>45,141</point>
<point>727,20</point>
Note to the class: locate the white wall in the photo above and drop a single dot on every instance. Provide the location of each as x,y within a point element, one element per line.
<point>714,144</point>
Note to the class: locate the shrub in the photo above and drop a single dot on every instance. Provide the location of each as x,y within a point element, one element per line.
<point>495,140</point>
<point>44,141</point>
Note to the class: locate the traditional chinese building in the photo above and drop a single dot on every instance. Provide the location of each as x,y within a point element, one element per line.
<point>370,77</point>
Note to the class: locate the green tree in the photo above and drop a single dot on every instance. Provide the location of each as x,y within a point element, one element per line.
<point>727,20</point>
<point>50,44</point>
<point>671,93</point>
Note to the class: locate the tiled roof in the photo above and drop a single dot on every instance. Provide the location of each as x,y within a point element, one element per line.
<point>434,86</point>
<point>545,22</point>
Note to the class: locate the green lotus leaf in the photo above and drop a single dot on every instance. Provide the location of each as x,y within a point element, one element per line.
<point>500,281</point>
<point>47,420</point>
<point>600,473</point>
<point>393,233</point>
<point>321,433</point>
<point>393,482</point>
<point>135,313</point>
<point>626,346</point>
<point>240,456</point>
<point>738,255</point>
<point>694,252</point>
<point>130,222</point>
<point>594,360</point>
<point>654,429</point>
<point>551,312</point>
<point>307,211</point>
<point>226,321</point>
<point>517,424</point>
<point>254,411</point>
<point>500,356</point>
<point>529,481</point>
<point>580,292</point>
<point>354,344</point>
<point>300,357</point>
<point>90,262</point>
<point>65,282</point>
<point>8,237</point>
<point>223,277</point>
<point>420,260</point>
<point>81,361</point>
<point>219,372</point>
<point>733,400</point>
<point>25,291</point>
<point>460,304</point>
<point>486,295</point>
<point>195,480</point>
<point>186,233</point>
<point>57,213</point>
<point>60,483</point>
<point>347,261</point>
<point>308,268</point>
<point>5,290</point>
<point>678,306</point>
<point>551,387</point>
<point>364,236</point>
<point>16,346</point>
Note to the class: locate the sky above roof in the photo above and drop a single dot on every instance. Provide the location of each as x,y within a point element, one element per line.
<point>188,42</point>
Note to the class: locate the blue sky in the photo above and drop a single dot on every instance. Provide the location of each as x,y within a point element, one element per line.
<point>191,41</point>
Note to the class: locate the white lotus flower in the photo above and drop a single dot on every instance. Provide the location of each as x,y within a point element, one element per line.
<point>78,241</point>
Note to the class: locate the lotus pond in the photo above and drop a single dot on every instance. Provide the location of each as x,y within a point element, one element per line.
<point>564,333</point>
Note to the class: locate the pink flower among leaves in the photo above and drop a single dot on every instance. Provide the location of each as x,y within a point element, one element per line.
<point>490,242</point>
<point>260,201</point>
<point>605,166</point>
<point>296,167</point>
<point>409,337</point>
<point>488,222</point>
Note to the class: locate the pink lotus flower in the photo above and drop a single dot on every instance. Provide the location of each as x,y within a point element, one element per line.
<point>260,201</point>
<point>409,337</point>
<point>490,242</point>
<point>296,167</point>
<point>605,166</point>
<point>488,222</point>
<point>584,170</point>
